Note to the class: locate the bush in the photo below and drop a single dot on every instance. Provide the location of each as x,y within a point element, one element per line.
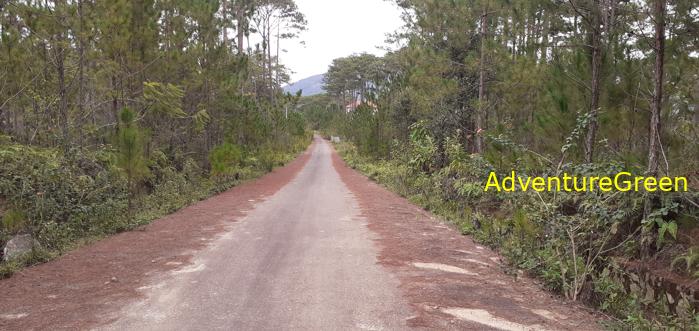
<point>49,190</point>
<point>224,158</point>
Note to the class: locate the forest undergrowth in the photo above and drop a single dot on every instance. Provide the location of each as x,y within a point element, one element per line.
<point>68,201</point>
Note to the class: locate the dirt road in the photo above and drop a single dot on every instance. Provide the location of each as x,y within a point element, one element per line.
<point>311,246</point>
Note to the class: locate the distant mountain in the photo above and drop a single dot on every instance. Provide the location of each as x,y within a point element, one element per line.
<point>310,86</point>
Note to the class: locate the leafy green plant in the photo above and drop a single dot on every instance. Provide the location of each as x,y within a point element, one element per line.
<point>656,217</point>
<point>224,158</point>
<point>666,227</point>
<point>524,227</point>
<point>423,147</point>
<point>14,220</point>
<point>690,261</point>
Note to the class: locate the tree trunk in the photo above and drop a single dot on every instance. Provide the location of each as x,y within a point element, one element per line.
<point>81,72</point>
<point>129,195</point>
<point>276,75</point>
<point>481,83</point>
<point>62,95</point>
<point>115,104</point>
<point>648,232</point>
<point>240,13</point>
<point>654,133</point>
<point>269,61</point>
<point>224,27</point>
<point>595,67</point>
<point>546,26</point>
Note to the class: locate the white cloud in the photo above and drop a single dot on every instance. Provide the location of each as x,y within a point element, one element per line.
<point>338,28</point>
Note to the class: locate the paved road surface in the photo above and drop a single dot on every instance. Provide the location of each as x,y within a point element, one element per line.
<point>303,259</point>
<point>313,245</point>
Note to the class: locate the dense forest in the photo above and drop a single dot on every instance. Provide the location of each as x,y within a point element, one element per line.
<point>115,112</point>
<point>587,87</point>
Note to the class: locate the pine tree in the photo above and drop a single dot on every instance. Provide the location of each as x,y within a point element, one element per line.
<point>130,158</point>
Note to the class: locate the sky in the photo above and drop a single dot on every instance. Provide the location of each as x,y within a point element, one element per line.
<point>338,28</point>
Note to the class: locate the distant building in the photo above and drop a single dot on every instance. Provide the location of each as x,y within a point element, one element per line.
<point>352,106</point>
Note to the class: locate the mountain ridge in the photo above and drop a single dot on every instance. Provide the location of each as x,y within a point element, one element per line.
<point>311,85</point>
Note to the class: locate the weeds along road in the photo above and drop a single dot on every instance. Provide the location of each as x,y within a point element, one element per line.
<point>311,246</point>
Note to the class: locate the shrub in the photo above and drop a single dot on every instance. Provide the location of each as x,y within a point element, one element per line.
<point>224,158</point>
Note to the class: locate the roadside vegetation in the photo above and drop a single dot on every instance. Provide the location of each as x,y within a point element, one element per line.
<point>590,88</point>
<point>578,245</point>
<point>113,113</point>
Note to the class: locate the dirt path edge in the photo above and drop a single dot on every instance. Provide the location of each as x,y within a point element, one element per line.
<point>83,288</point>
<point>415,245</point>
